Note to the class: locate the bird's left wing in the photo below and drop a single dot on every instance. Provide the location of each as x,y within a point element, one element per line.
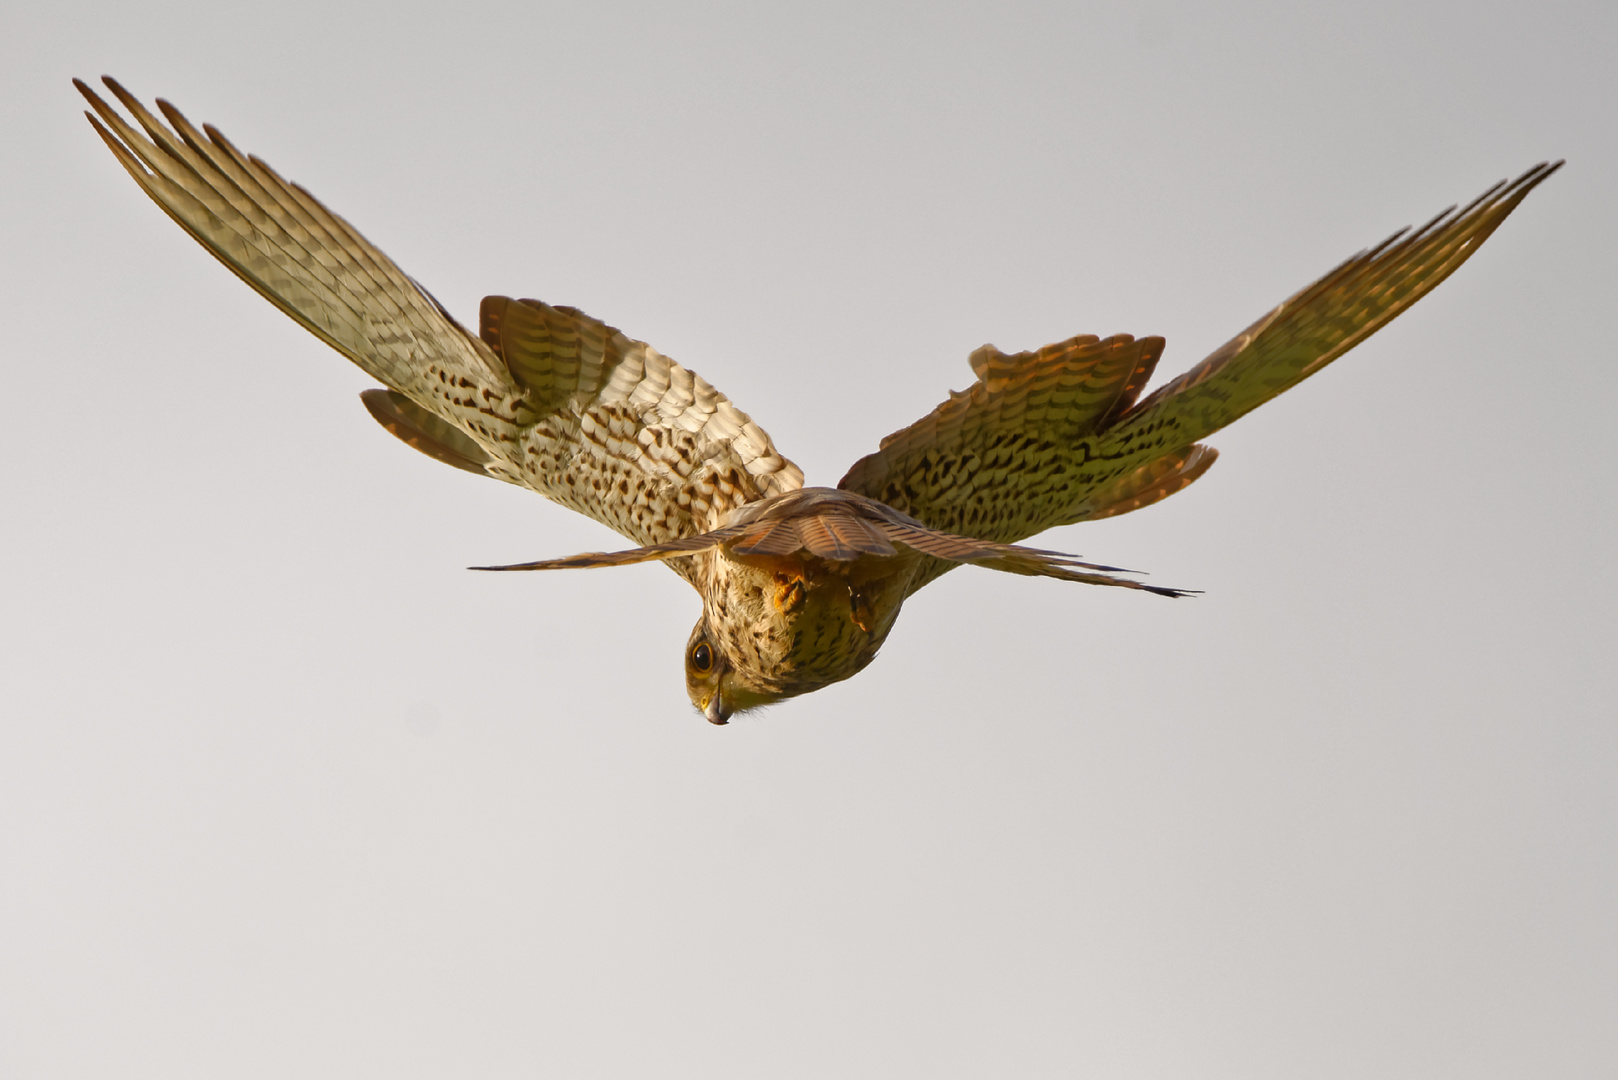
<point>545,397</point>
<point>1056,436</point>
<point>1007,457</point>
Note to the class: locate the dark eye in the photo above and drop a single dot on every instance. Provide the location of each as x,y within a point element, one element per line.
<point>702,658</point>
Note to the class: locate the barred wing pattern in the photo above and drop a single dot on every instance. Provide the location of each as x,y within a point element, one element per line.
<point>1008,457</point>
<point>1316,326</point>
<point>547,398</point>
<point>305,260</point>
<point>1056,436</point>
<point>626,435</point>
<point>1000,460</point>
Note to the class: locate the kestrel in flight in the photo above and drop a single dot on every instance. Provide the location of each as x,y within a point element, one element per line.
<point>800,586</point>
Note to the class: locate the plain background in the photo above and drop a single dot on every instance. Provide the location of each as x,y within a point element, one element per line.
<point>286,791</point>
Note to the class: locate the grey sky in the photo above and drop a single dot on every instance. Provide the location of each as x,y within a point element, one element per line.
<point>284,790</point>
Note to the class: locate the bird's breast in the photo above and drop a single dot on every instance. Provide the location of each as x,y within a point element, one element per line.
<point>791,624</point>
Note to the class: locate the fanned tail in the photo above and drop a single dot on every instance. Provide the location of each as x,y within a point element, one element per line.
<point>841,527</point>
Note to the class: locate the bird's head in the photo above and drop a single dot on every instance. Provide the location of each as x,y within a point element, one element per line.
<point>717,688</point>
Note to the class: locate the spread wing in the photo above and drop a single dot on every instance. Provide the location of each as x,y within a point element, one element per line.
<point>1007,458</point>
<point>624,434</point>
<point>1056,436</point>
<point>1315,327</point>
<point>545,397</point>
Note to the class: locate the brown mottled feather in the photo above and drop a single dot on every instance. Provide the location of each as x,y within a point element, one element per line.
<point>554,353</point>
<point>665,454</point>
<point>1313,328</point>
<point>997,460</point>
<point>289,248</point>
<point>421,430</point>
<point>1003,460</point>
<point>1019,452</point>
<point>546,397</point>
<point>1150,483</point>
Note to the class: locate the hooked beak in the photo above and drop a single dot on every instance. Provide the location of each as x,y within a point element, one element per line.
<point>715,710</point>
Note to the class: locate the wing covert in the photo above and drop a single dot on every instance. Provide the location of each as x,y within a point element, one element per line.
<point>625,434</point>
<point>1007,457</point>
<point>545,397</point>
<point>1054,437</point>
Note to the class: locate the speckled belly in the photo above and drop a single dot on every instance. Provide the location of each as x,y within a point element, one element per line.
<point>797,624</point>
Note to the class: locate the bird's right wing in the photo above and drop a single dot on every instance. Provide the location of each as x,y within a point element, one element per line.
<point>545,397</point>
<point>305,260</point>
<point>625,434</point>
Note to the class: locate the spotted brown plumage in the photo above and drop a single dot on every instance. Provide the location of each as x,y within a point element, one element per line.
<point>800,586</point>
<point>1056,436</point>
<point>543,397</point>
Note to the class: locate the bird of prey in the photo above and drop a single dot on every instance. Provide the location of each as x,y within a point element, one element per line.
<point>800,585</point>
